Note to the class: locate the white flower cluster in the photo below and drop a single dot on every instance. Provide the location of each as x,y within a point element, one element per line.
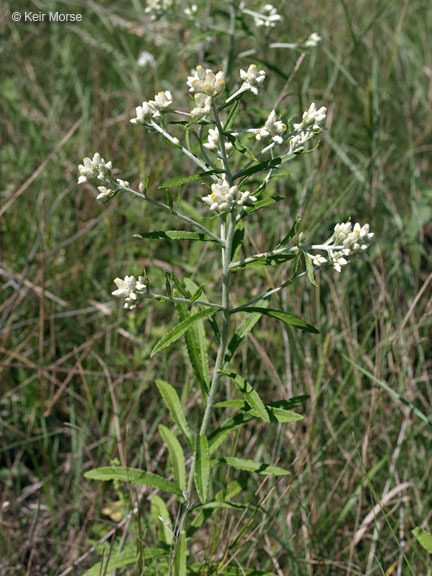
<point>313,40</point>
<point>129,289</point>
<point>252,79</point>
<point>152,109</point>
<point>312,120</point>
<point>95,168</point>
<point>352,239</point>
<point>213,141</point>
<point>146,59</point>
<point>267,17</point>
<point>157,7</point>
<point>223,197</point>
<point>191,10</point>
<point>273,129</point>
<point>204,84</point>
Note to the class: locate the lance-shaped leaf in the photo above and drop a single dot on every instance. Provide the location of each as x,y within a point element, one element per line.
<point>261,261</point>
<point>249,394</point>
<point>179,181</point>
<point>175,235</point>
<point>202,468</point>
<point>274,412</point>
<point>220,434</point>
<point>242,331</point>
<point>285,317</point>
<point>292,232</point>
<point>252,466</point>
<point>180,558</point>
<point>178,331</point>
<point>176,454</point>
<point>424,538</point>
<point>263,202</point>
<point>265,165</point>
<point>309,269</point>
<point>175,407</point>
<point>160,513</point>
<point>126,557</point>
<point>133,475</point>
<point>196,346</point>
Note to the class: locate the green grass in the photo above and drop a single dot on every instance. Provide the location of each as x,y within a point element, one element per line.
<point>76,376</point>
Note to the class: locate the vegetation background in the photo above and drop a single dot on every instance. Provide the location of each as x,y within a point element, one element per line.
<point>77,384</point>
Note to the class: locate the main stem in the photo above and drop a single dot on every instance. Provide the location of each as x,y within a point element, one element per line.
<point>227,236</point>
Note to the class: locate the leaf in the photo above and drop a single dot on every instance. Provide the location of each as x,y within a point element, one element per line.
<point>197,570</point>
<point>178,331</point>
<point>202,468</point>
<point>231,116</point>
<point>263,202</point>
<point>277,411</point>
<point>126,557</point>
<point>159,510</point>
<point>249,394</point>
<point>180,558</point>
<point>242,331</point>
<point>237,240</point>
<point>175,407</point>
<point>220,434</point>
<point>424,538</point>
<point>260,167</point>
<point>252,466</point>
<point>180,180</point>
<point>196,346</point>
<point>176,454</point>
<point>285,317</point>
<point>175,235</point>
<point>273,260</point>
<point>309,269</point>
<point>133,475</point>
<point>293,231</point>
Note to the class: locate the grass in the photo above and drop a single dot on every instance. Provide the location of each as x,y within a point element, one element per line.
<point>76,375</point>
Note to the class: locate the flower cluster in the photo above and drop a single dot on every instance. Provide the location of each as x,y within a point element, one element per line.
<point>204,84</point>
<point>224,197</point>
<point>152,109</point>
<point>94,169</point>
<point>267,17</point>
<point>352,239</point>
<point>273,129</point>
<point>213,141</point>
<point>313,40</point>
<point>252,79</point>
<point>157,7</point>
<point>312,121</point>
<point>129,289</point>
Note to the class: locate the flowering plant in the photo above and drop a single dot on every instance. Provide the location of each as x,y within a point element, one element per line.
<point>230,157</point>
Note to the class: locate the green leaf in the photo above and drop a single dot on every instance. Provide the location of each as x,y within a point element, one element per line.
<point>180,558</point>
<point>274,260</point>
<point>424,538</point>
<point>252,466</point>
<point>260,167</point>
<point>175,407</point>
<point>263,202</point>
<point>231,116</point>
<point>178,331</point>
<point>180,180</point>
<point>133,475</point>
<point>309,269</point>
<point>176,454</point>
<point>277,411</point>
<point>237,240</point>
<point>202,468</point>
<point>249,394</point>
<point>196,346</point>
<point>242,331</point>
<point>175,235</point>
<point>159,510</point>
<point>126,557</point>
<point>200,568</point>
<point>293,231</point>
<point>285,317</point>
<point>220,434</point>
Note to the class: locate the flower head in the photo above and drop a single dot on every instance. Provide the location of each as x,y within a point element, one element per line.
<point>157,7</point>
<point>350,240</point>
<point>204,81</point>
<point>224,197</point>
<point>213,141</point>
<point>272,128</point>
<point>129,289</point>
<point>152,108</point>
<point>203,106</point>
<point>313,117</point>
<point>267,17</point>
<point>252,78</point>
<point>95,168</point>
<point>313,40</point>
